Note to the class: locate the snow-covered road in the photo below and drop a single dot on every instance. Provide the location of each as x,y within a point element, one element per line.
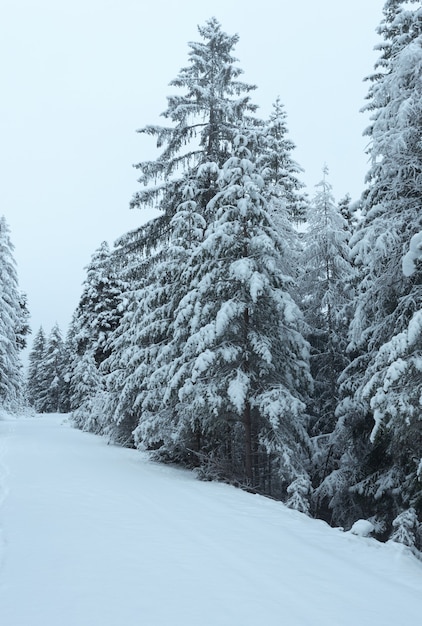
<point>95,535</point>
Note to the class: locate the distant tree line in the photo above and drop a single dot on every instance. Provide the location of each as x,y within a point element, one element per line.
<point>260,336</point>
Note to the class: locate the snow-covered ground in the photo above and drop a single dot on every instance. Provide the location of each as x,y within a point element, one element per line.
<point>95,535</point>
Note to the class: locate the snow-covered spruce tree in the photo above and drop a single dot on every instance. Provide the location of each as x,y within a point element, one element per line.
<point>35,379</point>
<point>407,529</point>
<point>204,120</point>
<point>283,188</point>
<point>96,317</point>
<point>69,352</point>
<point>243,374</point>
<point>286,203</point>
<point>88,394</point>
<point>13,322</point>
<point>24,328</point>
<point>326,287</point>
<point>378,438</point>
<point>51,373</point>
<point>97,313</point>
<point>144,346</point>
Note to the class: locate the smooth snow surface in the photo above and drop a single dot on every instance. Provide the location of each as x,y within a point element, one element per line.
<point>95,535</point>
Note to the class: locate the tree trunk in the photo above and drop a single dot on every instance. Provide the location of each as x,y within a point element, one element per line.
<point>247,421</point>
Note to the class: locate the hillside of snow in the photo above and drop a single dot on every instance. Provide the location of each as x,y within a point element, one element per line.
<point>96,535</point>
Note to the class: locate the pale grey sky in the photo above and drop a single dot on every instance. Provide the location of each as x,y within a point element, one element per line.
<point>78,78</point>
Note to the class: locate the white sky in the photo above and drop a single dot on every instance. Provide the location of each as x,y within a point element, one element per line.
<point>78,78</point>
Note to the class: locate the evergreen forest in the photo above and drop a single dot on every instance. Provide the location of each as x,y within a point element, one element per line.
<point>251,332</point>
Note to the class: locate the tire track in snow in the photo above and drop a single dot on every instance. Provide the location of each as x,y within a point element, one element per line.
<point>6,430</point>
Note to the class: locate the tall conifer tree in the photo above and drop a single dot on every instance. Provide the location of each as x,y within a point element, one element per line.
<point>35,370</point>
<point>326,286</point>
<point>52,373</point>
<point>283,189</point>
<point>242,372</point>
<point>180,183</point>
<point>12,325</point>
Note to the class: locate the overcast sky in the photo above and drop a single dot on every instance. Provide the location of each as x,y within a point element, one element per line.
<point>78,78</point>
